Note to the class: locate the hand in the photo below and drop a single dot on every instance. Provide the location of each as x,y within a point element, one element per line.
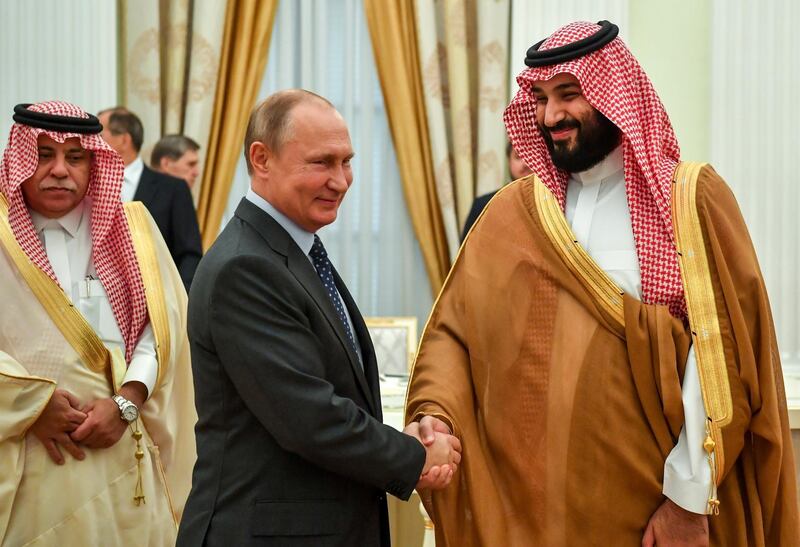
<point>441,462</point>
<point>445,450</point>
<point>103,426</point>
<point>436,476</point>
<point>57,420</point>
<point>429,425</point>
<point>674,526</point>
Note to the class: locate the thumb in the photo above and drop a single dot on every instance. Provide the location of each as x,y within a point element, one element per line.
<point>649,539</point>
<point>426,430</point>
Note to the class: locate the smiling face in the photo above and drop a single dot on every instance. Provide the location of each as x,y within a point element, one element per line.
<point>308,177</point>
<point>61,178</point>
<point>577,135</point>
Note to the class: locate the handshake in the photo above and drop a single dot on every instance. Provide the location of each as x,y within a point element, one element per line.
<point>442,452</point>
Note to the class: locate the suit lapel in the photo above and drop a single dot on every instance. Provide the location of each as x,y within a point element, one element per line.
<point>302,269</point>
<point>147,188</point>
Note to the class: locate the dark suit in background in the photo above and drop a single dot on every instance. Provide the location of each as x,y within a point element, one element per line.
<point>474,212</point>
<point>291,450</point>
<point>170,204</point>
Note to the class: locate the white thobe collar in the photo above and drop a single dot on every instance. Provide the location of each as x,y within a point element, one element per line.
<point>70,222</point>
<point>132,175</point>
<point>303,239</point>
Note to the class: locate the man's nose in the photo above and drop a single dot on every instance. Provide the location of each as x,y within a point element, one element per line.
<point>340,178</point>
<point>59,167</point>
<point>553,113</point>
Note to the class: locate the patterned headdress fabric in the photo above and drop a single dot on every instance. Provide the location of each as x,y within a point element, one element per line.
<point>112,247</point>
<point>615,84</point>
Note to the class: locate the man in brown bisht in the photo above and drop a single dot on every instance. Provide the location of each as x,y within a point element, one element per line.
<point>603,346</point>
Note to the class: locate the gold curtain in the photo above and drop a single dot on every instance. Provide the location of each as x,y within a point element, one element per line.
<point>393,30</point>
<point>245,45</point>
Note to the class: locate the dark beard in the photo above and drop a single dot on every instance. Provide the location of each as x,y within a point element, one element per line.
<point>597,138</point>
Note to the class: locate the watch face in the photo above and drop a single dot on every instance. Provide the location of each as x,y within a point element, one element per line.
<point>129,413</point>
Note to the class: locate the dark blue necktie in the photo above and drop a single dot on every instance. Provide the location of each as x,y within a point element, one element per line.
<point>319,257</point>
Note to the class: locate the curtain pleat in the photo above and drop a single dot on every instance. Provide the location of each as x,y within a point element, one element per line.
<point>245,45</point>
<point>393,31</point>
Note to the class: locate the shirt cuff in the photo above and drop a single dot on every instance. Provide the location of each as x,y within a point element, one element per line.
<point>690,495</point>
<point>144,364</point>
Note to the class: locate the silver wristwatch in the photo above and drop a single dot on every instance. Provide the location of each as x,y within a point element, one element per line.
<point>127,410</point>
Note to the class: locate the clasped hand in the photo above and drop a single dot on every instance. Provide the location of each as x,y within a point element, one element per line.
<point>64,423</point>
<point>442,452</point>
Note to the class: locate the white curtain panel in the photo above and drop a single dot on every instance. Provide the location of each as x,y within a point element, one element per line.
<point>51,50</point>
<point>755,137</point>
<point>324,46</point>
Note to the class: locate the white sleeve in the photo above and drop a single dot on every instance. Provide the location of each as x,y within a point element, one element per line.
<point>144,364</point>
<point>687,473</point>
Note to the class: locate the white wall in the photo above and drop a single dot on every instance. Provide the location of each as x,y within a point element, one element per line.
<point>56,49</point>
<point>755,142</point>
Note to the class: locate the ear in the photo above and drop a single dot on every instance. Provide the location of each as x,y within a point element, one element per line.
<point>164,163</point>
<point>260,158</point>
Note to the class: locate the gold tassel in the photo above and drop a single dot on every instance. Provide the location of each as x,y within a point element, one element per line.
<point>138,493</point>
<point>709,445</point>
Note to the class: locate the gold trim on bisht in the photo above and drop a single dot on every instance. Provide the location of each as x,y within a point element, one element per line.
<point>701,305</point>
<point>607,293</point>
<point>77,331</point>
<point>145,249</point>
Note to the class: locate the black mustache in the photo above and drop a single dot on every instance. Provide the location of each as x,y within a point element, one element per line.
<point>562,125</point>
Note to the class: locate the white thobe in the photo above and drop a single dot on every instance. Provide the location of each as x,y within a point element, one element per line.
<point>597,210</point>
<point>68,244</point>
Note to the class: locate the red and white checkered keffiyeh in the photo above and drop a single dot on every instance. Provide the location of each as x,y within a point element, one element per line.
<point>615,84</point>
<point>112,248</point>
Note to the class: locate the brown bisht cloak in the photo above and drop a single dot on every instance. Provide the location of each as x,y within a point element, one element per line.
<point>566,394</point>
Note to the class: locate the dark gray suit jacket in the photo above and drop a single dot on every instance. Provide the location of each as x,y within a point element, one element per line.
<point>290,445</point>
<point>169,202</point>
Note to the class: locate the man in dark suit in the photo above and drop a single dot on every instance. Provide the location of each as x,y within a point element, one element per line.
<point>291,448</point>
<point>517,169</point>
<point>167,198</point>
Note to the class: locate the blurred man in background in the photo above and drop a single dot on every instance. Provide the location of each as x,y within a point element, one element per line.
<point>167,198</point>
<point>517,169</point>
<point>176,155</point>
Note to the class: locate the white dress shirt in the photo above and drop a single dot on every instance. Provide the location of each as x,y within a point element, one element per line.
<point>304,240</point>
<point>130,182</point>
<point>597,210</point>
<point>77,276</point>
